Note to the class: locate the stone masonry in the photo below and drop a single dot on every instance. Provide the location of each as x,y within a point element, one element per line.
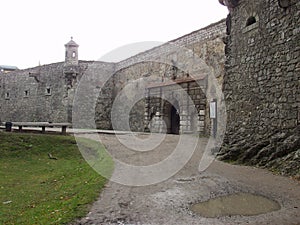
<point>171,69</point>
<point>258,72</point>
<point>61,91</point>
<point>261,84</point>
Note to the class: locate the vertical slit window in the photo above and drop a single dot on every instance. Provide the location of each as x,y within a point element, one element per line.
<point>48,91</point>
<point>7,95</point>
<point>26,93</point>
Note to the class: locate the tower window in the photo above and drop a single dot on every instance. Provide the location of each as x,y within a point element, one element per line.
<point>74,54</point>
<point>251,20</point>
<point>7,95</point>
<point>48,91</point>
<point>26,93</point>
<point>251,23</point>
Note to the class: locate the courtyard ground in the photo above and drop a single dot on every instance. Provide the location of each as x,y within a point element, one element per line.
<point>169,202</point>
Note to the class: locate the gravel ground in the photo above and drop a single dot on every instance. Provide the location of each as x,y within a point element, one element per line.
<point>169,202</point>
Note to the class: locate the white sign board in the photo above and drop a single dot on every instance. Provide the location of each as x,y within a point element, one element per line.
<point>213,110</point>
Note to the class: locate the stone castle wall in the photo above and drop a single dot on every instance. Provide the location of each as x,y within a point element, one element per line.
<point>28,98</point>
<point>94,96</point>
<point>195,55</point>
<point>261,84</point>
<point>190,41</point>
<point>46,93</point>
<point>51,89</point>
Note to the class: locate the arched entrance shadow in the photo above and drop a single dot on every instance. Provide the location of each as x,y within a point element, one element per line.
<point>175,121</point>
<point>172,117</point>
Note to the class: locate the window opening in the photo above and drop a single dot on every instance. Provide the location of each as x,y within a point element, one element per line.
<point>48,91</point>
<point>26,93</point>
<point>251,20</point>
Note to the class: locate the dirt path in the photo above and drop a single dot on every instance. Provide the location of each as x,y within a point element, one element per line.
<point>168,202</point>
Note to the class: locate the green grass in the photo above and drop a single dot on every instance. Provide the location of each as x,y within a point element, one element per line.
<point>37,190</point>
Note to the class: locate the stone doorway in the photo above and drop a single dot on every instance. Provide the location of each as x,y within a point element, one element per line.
<point>174,118</point>
<point>175,121</point>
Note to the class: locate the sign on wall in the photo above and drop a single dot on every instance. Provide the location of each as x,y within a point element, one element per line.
<point>213,110</point>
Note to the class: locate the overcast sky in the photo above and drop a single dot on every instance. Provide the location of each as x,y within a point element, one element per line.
<point>34,31</point>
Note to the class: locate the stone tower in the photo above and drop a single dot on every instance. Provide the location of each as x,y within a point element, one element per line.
<point>71,71</point>
<point>71,61</point>
<point>71,54</point>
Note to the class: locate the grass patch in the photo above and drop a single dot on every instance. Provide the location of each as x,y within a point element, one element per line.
<point>35,189</point>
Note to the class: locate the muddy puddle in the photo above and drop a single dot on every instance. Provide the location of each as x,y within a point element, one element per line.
<point>244,204</point>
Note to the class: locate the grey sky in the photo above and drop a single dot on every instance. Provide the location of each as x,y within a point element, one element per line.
<point>36,30</point>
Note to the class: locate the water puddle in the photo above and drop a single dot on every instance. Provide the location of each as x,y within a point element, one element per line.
<point>244,204</point>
